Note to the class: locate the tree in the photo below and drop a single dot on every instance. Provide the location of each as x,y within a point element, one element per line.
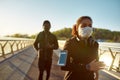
<point>63,33</point>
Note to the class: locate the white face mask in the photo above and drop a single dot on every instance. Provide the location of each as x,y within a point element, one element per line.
<point>85,32</point>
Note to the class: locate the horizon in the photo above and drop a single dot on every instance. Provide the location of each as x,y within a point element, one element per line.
<point>26,17</point>
<point>50,31</point>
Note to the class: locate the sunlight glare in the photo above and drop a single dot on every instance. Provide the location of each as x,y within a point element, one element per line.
<point>106,59</point>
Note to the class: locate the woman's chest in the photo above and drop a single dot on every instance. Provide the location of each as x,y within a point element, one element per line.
<point>82,52</point>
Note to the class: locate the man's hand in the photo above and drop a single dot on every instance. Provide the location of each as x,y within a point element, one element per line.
<point>96,65</point>
<point>50,46</point>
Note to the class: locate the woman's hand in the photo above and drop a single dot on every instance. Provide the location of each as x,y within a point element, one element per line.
<point>96,65</point>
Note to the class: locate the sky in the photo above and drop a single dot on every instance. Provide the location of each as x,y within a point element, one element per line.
<point>27,16</point>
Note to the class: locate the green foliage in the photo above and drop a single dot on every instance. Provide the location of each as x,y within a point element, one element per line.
<point>107,35</point>
<point>65,33</point>
<point>102,34</point>
<point>33,36</point>
<point>17,35</point>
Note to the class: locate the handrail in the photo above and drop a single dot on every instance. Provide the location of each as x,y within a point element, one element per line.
<point>114,51</point>
<point>10,45</point>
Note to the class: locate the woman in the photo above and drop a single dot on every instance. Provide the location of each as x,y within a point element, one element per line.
<point>82,49</point>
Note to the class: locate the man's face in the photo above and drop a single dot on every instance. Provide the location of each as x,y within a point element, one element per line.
<point>46,27</point>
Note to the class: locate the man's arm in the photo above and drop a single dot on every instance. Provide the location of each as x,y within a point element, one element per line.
<point>36,43</point>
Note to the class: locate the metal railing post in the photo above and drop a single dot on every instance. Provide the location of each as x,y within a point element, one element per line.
<point>2,48</point>
<point>113,57</point>
<point>18,43</point>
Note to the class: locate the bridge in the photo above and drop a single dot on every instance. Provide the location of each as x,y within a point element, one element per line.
<point>18,61</point>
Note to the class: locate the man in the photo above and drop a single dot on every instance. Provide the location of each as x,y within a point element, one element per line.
<point>44,44</point>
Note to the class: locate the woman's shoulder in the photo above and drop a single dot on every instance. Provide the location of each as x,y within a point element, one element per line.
<point>69,43</point>
<point>72,39</point>
<point>93,42</point>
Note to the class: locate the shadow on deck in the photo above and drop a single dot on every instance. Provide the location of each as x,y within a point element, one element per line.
<point>56,73</point>
<point>24,66</point>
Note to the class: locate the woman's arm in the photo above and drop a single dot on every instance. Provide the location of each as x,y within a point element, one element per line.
<point>70,66</point>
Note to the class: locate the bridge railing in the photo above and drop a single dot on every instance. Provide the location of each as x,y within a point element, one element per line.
<point>114,52</point>
<point>10,45</point>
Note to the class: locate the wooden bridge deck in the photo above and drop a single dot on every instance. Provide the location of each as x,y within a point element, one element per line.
<point>56,73</point>
<point>24,66</point>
